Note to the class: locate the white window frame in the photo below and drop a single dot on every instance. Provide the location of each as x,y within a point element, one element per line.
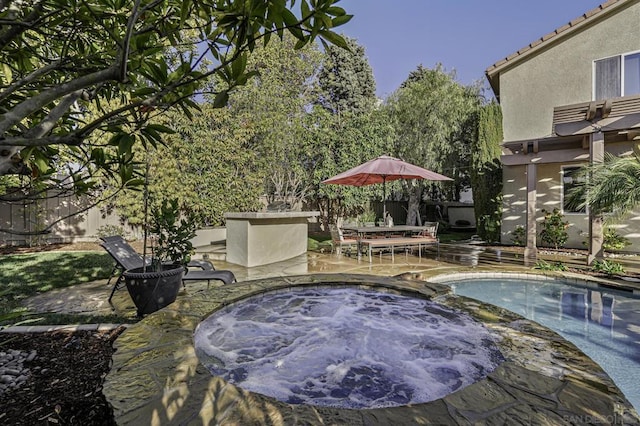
<point>593,72</point>
<point>562,189</point>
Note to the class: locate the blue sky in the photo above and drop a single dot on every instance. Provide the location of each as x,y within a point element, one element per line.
<point>467,36</point>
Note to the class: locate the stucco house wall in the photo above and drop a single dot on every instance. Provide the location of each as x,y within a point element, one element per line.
<point>562,73</point>
<point>557,70</point>
<point>514,193</point>
<point>548,197</point>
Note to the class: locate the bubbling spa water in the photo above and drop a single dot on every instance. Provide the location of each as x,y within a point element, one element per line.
<point>345,347</point>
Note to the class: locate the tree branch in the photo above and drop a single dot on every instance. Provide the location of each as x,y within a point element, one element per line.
<point>31,105</point>
<point>126,45</point>
<point>40,72</point>
<point>15,30</point>
<point>46,125</point>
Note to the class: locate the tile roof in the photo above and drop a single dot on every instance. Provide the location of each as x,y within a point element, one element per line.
<point>579,21</point>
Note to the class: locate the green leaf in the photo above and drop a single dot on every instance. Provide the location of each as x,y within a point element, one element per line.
<point>160,128</point>
<point>117,138</point>
<point>306,11</point>
<point>221,99</point>
<point>334,39</point>
<point>335,11</point>
<point>300,44</point>
<point>97,155</point>
<point>292,22</point>
<point>125,144</point>
<point>341,20</point>
<point>239,65</point>
<point>184,11</point>
<point>41,163</point>
<point>6,70</point>
<point>134,183</point>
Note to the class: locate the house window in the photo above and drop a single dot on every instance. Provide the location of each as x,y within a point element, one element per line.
<point>570,179</point>
<point>617,76</point>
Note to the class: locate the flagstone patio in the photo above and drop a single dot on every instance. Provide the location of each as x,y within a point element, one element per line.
<point>157,379</point>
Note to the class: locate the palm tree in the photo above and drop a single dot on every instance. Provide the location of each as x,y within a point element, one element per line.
<point>611,187</point>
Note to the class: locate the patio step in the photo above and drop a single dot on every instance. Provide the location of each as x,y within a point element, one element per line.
<point>217,250</point>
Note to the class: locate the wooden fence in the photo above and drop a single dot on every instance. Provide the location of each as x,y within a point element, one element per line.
<point>26,219</point>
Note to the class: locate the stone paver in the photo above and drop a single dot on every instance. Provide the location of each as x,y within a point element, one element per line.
<point>157,378</point>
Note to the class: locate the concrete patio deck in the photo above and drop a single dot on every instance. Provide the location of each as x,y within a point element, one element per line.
<point>91,298</point>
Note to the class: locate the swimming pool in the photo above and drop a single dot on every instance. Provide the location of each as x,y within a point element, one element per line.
<point>603,323</point>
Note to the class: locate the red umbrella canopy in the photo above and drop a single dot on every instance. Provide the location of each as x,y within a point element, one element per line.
<point>381,170</point>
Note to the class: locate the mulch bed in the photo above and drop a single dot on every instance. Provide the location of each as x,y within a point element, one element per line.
<point>65,382</point>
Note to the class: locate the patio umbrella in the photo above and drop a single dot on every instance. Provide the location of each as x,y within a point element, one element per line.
<point>381,170</point>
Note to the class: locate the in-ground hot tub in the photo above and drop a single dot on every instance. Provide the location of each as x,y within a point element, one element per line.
<point>157,378</point>
<point>346,347</point>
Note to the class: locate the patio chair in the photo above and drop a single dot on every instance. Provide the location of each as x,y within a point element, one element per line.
<point>126,257</point>
<point>339,240</point>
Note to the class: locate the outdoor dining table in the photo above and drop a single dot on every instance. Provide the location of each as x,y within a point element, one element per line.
<point>364,230</point>
<point>389,232</point>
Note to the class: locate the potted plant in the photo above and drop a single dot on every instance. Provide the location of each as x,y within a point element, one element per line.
<point>157,283</point>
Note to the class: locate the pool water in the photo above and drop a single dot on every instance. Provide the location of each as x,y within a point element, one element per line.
<point>346,347</point>
<point>603,323</point>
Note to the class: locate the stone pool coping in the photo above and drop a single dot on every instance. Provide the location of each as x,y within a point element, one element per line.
<point>157,379</point>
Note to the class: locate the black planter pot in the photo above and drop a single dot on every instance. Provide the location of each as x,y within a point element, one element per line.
<point>153,290</point>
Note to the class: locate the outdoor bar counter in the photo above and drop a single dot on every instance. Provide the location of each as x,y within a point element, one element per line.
<point>260,238</point>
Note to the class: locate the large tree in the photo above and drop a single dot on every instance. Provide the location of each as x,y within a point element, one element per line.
<point>225,159</point>
<point>126,62</point>
<point>335,148</point>
<point>346,82</point>
<point>345,128</point>
<point>275,105</point>
<point>208,165</point>
<point>430,113</point>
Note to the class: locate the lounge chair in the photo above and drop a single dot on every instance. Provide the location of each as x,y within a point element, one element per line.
<point>127,258</point>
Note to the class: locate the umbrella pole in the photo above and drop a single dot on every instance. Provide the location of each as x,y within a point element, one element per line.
<point>384,199</point>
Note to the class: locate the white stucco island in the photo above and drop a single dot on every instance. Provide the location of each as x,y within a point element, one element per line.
<point>260,238</point>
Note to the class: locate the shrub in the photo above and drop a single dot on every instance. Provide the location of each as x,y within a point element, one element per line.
<point>608,267</point>
<point>546,266</point>
<point>613,240</point>
<point>554,229</point>
<point>519,236</point>
<point>109,230</point>
<point>489,226</point>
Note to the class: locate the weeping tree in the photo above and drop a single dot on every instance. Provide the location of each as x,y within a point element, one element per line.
<point>126,61</point>
<point>430,112</point>
<point>486,170</point>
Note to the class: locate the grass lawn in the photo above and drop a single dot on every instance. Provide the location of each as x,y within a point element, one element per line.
<point>24,275</point>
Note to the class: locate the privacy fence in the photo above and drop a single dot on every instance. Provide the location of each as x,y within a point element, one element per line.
<point>58,216</point>
<point>68,219</point>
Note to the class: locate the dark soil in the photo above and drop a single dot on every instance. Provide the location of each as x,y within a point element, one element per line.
<point>66,377</point>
